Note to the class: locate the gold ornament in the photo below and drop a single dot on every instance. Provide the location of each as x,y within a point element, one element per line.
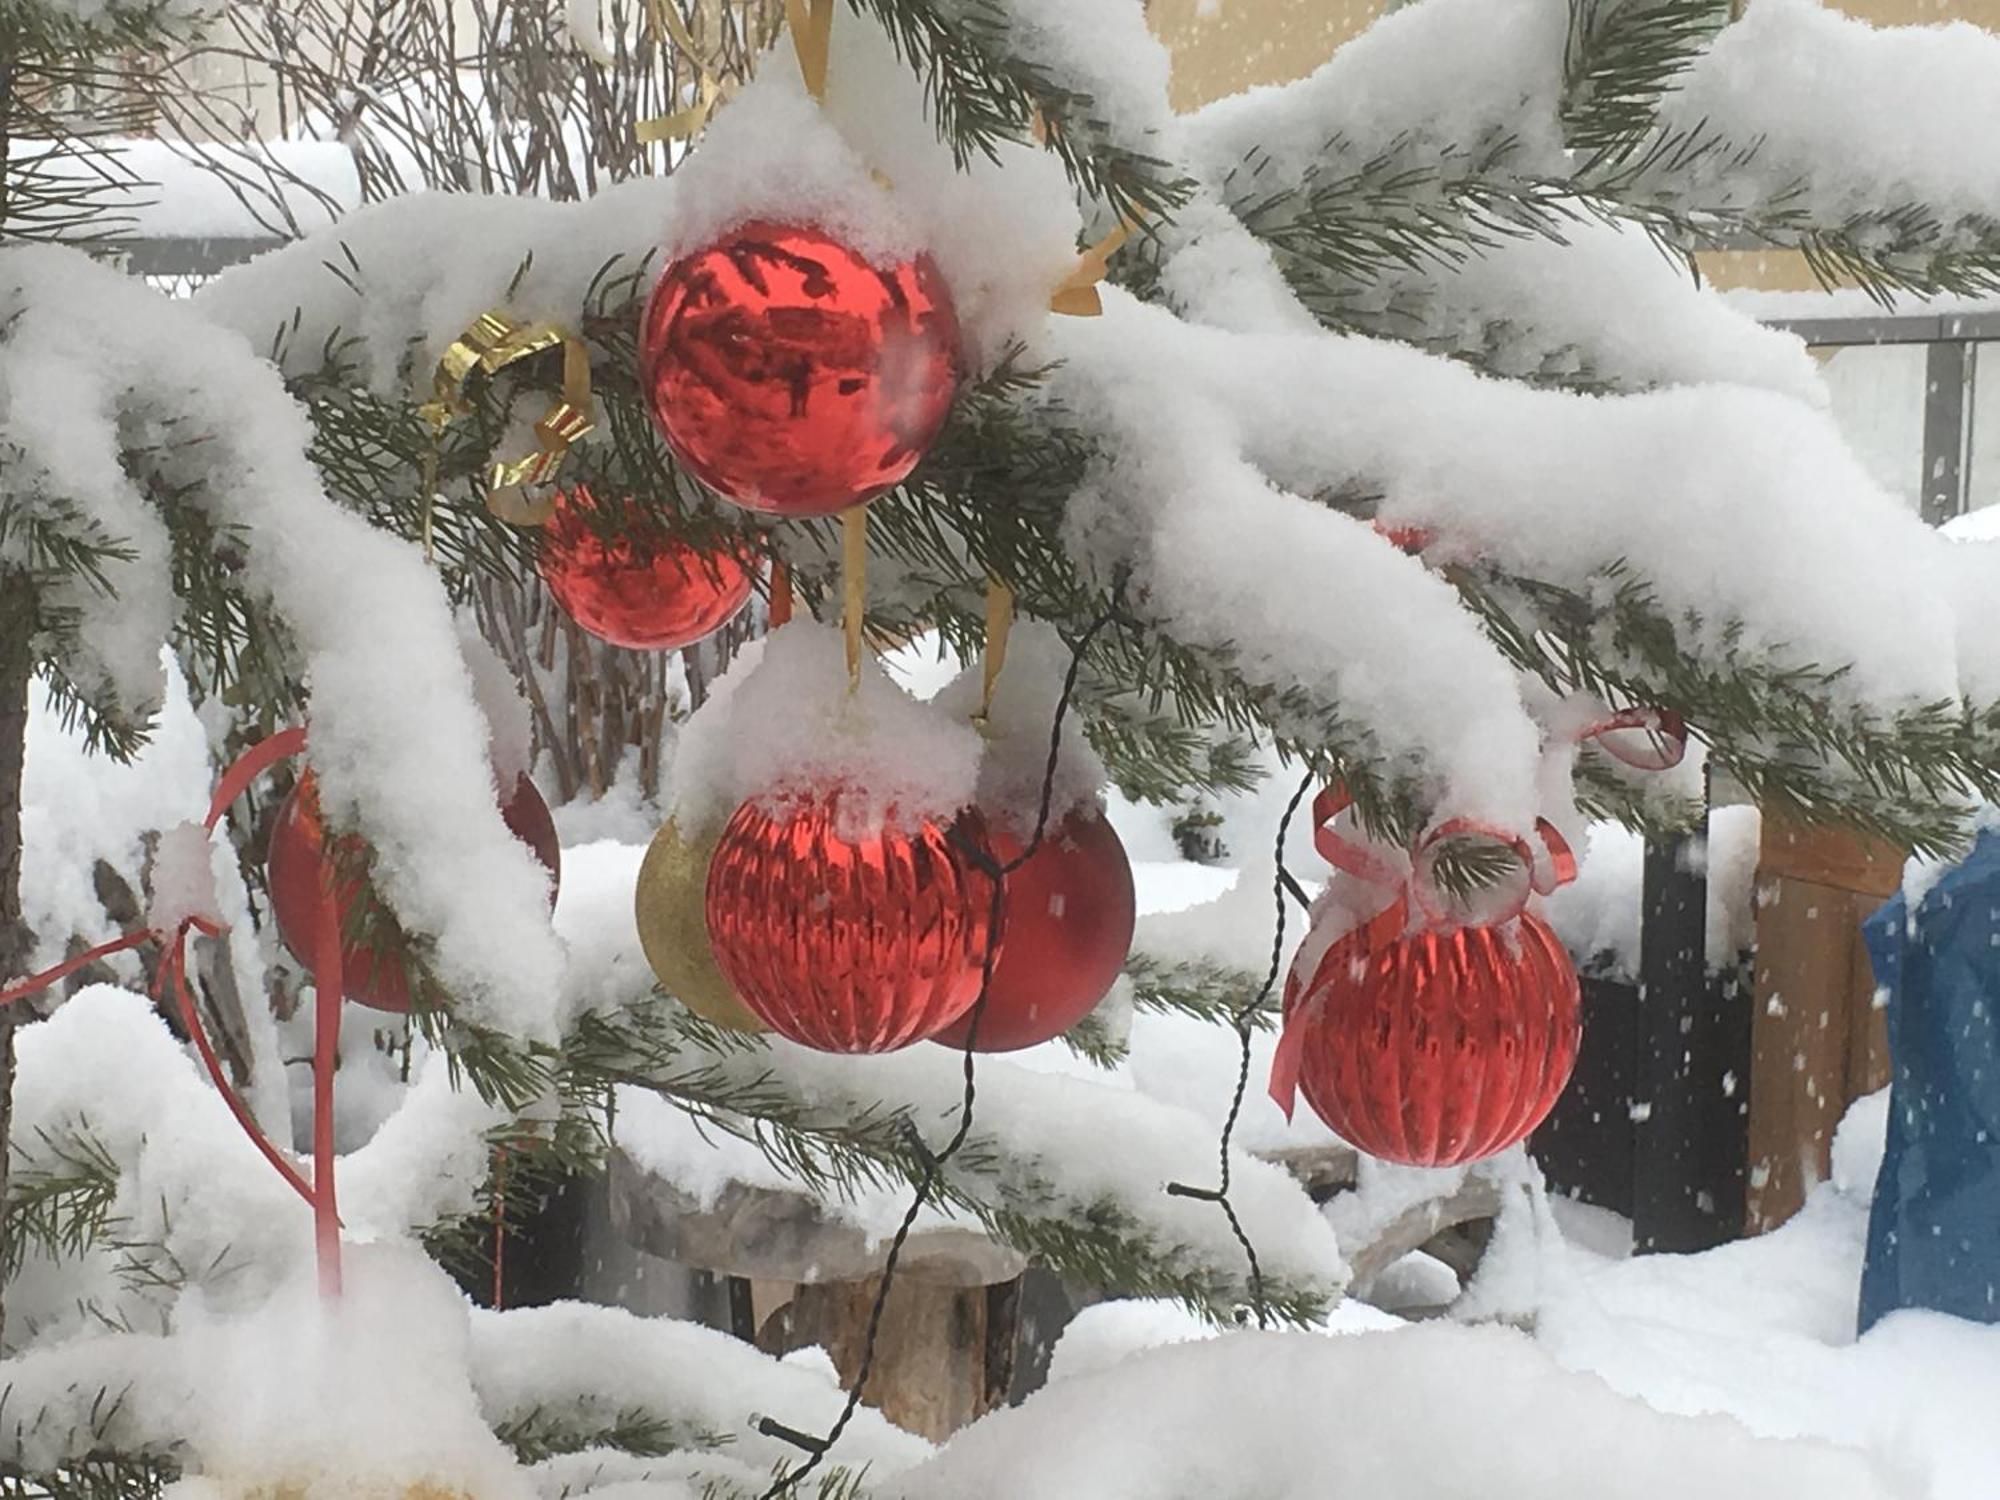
<point>670,904</point>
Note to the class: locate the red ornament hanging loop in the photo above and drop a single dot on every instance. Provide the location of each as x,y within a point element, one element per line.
<point>1420,888</point>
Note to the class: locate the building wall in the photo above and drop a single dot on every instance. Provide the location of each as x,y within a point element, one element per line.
<point>1222,47</point>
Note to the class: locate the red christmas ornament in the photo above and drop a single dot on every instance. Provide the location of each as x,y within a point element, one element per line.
<point>1069,915</point>
<point>793,377</point>
<point>1438,1047</point>
<point>292,872</point>
<point>644,594</point>
<point>862,944</point>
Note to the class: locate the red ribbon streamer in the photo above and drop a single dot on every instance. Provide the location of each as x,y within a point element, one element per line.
<point>36,983</point>
<point>319,1192</point>
<point>328,992</point>
<point>781,593</point>
<point>1666,738</point>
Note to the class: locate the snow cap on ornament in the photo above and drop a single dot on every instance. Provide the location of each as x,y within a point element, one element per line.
<point>1015,725</point>
<point>860,167</point>
<point>783,725</point>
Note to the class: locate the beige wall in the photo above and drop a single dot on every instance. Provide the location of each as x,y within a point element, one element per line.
<point>1222,47</point>
<point>1915,12</point>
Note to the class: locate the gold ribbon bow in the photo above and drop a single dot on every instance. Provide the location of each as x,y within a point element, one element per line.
<point>999,625</point>
<point>1076,294</point>
<point>491,343</point>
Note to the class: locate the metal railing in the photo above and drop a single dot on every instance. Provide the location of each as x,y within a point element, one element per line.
<point>1951,369</point>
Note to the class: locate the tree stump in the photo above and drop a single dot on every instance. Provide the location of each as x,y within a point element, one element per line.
<point>944,1353</point>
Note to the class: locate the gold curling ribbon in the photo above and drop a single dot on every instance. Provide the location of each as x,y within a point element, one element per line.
<point>811,22</point>
<point>683,124</point>
<point>854,585</point>
<point>999,624</point>
<point>493,341</point>
<point>1076,295</point>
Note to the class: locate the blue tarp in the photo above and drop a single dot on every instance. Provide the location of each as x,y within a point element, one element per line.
<point>1934,1234</point>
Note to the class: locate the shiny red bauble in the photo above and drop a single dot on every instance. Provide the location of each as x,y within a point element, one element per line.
<point>291,871</point>
<point>1068,926</point>
<point>646,593</point>
<point>1436,1048</point>
<point>791,376</point>
<point>846,940</point>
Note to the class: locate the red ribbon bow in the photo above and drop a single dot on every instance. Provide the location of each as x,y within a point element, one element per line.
<point>318,1192</point>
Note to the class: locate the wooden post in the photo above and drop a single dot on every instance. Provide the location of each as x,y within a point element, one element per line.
<point>945,1352</point>
<point>1818,1040</point>
<point>17,665</point>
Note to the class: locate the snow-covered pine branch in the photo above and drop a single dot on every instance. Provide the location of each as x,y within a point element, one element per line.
<point>126,414</point>
<point>1455,730</point>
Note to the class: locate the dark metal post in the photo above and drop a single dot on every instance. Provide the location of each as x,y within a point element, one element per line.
<point>1947,393</point>
<point>1670,1209</point>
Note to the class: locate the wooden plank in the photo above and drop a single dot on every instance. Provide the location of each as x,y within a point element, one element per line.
<point>1828,855</point>
<point>1818,1040</point>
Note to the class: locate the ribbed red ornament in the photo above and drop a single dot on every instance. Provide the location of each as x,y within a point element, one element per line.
<point>1438,1047</point>
<point>1069,915</point>
<point>291,871</point>
<point>644,593</point>
<point>846,944</point>
<point>793,377</point>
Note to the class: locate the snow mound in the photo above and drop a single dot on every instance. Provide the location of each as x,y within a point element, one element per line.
<point>299,1398</point>
<point>1428,1413</point>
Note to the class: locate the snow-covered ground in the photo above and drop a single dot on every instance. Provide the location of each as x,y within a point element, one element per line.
<point>1760,1331</point>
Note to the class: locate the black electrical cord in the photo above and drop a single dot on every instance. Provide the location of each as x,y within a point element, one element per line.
<point>996,873</point>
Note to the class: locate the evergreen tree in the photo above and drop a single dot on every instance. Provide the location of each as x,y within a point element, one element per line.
<point>1432,299</point>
